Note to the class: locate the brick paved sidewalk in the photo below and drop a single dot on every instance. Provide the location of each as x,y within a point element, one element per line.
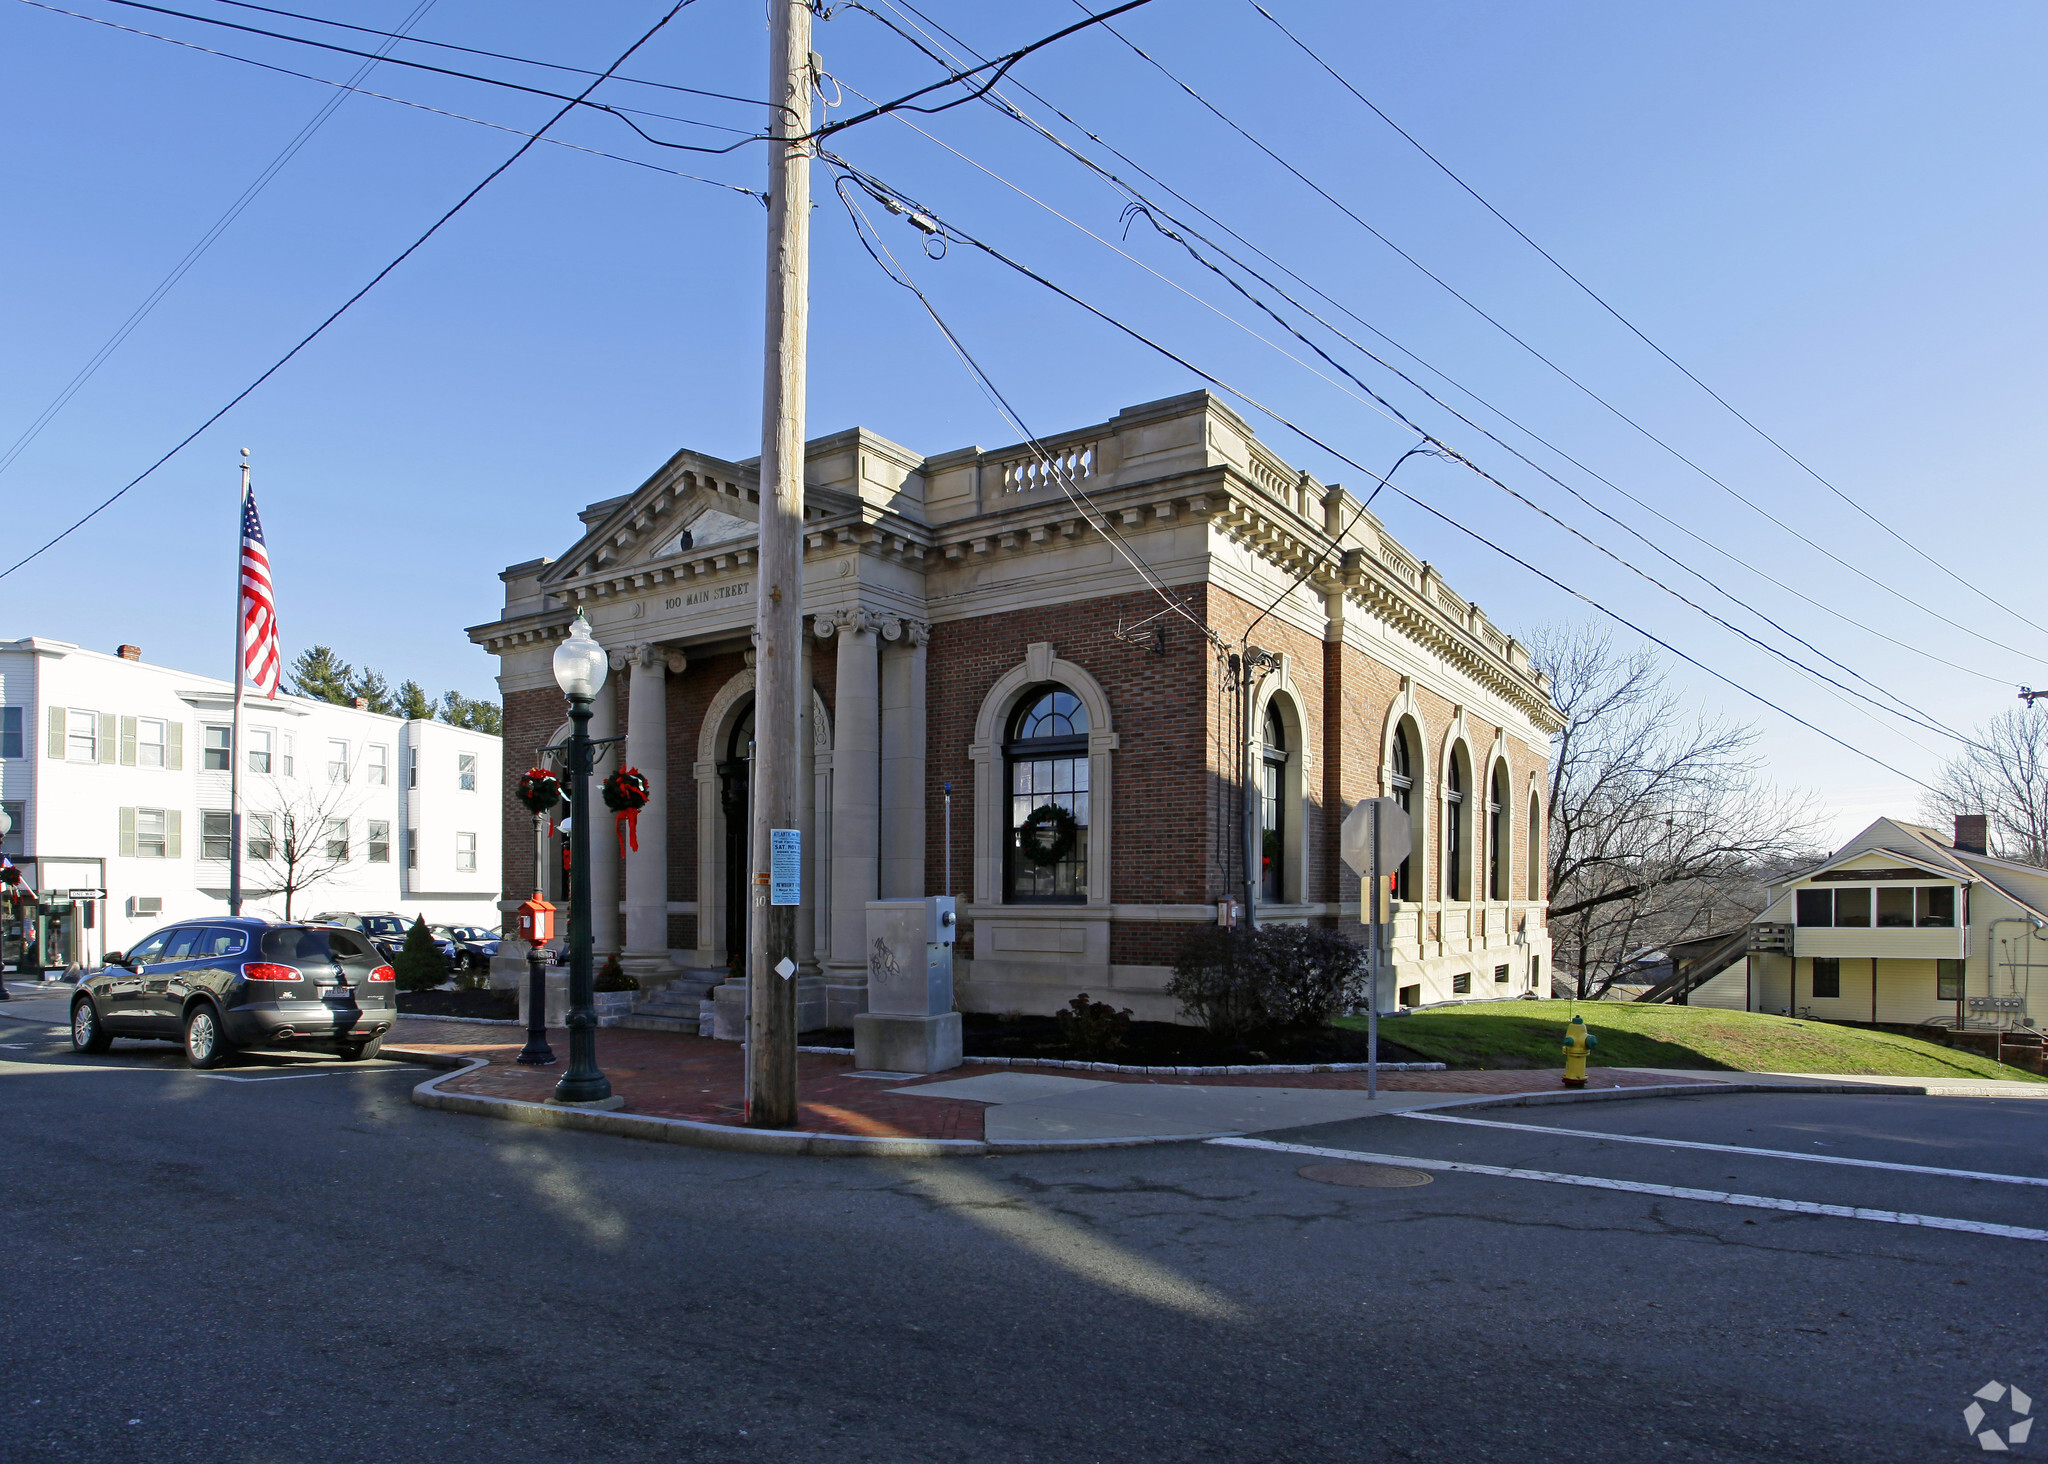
<point>672,1076</point>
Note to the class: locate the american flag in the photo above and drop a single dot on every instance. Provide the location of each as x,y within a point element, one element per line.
<point>262,661</point>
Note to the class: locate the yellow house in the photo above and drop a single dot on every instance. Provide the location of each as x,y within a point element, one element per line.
<point>1899,925</point>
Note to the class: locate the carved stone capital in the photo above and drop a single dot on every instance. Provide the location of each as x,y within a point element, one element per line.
<point>619,660</point>
<point>917,632</point>
<point>823,627</point>
<point>892,628</point>
<point>858,619</point>
<point>677,663</point>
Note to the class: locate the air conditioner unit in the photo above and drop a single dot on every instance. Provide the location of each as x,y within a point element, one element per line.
<point>145,904</point>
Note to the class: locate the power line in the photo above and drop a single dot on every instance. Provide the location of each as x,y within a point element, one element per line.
<point>343,308</point>
<point>1001,65</point>
<point>624,114</point>
<point>192,255</point>
<point>881,190</point>
<point>1633,329</point>
<point>1099,521</point>
<point>1466,301</point>
<point>1912,713</point>
<point>400,101</point>
<point>493,55</point>
<point>1011,111</point>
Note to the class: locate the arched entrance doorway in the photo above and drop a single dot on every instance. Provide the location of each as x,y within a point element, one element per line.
<point>735,797</point>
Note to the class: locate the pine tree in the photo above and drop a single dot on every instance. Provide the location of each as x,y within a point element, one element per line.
<point>374,690</point>
<point>414,703</point>
<point>419,965</point>
<point>323,676</point>
<point>478,716</point>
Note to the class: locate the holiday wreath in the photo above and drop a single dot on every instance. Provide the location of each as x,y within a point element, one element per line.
<point>625,794</point>
<point>1047,835</point>
<point>539,791</point>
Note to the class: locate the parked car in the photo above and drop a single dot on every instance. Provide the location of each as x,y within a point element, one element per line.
<point>239,982</point>
<point>474,945</point>
<point>387,932</point>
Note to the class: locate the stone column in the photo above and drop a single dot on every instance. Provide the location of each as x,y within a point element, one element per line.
<point>856,809</point>
<point>604,843</point>
<point>903,738</point>
<point>646,955</point>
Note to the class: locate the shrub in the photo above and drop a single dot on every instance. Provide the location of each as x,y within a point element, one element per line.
<point>611,978</point>
<point>1237,981</point>
<point>419,966</point>
<point>1094,1029</point>
<point>1315,972</point>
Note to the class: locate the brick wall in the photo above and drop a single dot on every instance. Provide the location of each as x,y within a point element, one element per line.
<point>531,718</point>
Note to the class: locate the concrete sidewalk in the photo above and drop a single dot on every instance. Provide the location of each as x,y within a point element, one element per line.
<point>699,1083</point>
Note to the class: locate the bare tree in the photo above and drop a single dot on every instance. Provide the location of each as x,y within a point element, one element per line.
<point>1661,824</point>
<point>2004,776</point>
<point>299,840</point>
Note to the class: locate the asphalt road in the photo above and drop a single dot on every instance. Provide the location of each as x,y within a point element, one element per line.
<point>288,1262</point>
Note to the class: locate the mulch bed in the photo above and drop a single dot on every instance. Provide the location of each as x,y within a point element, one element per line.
<point>459,1003</point>
<point>1152,1044</point>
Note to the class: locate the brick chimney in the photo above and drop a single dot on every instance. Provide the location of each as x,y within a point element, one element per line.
<point>128,653</point>
<point>1972,833</point>
<point>362,704</point>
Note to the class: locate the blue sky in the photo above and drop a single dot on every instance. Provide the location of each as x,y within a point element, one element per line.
<point>1830,213</point>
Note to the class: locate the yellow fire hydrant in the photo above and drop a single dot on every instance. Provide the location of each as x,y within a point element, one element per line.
<point>1578,1046</point>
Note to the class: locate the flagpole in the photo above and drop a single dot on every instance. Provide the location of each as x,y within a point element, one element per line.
<point>235,735</point>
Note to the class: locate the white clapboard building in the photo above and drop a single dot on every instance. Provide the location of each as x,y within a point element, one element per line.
<point>114,776</point>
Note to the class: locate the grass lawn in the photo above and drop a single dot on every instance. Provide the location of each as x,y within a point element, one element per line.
<point>1505,1034</point>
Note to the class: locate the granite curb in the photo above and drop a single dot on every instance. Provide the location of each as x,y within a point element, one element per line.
<point>733,1139</point>
<point>1232,1071</point>
<point>728,1137</point>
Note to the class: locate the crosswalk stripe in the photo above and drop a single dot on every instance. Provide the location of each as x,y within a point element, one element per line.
<point>1537,1128</point>
<point>1637,1187</point>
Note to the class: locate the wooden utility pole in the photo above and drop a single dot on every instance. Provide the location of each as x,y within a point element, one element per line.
<point>778,590</point>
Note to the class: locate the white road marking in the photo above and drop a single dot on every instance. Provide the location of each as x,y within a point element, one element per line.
<point>1537,1128</point>
<point>1666,1191</point>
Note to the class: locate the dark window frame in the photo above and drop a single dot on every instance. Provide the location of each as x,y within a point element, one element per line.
<point>1832,975</point>
<point>1021,751</point>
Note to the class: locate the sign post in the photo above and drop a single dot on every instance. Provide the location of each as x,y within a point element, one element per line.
<point>1376,837</point>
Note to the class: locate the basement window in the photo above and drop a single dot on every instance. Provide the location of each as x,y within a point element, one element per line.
<point>1461,984</point>
<point>1827,977</point>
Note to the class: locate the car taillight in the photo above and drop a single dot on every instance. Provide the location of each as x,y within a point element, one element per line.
<point>383,973</point>
<point>264,971</point>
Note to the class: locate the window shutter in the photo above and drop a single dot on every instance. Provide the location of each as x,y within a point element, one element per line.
<point>173,819</point>
<point>110,731</point>
<point>127,841</point>
<point>174,747</point>
<point>127,742</point>
<point>56,747</point>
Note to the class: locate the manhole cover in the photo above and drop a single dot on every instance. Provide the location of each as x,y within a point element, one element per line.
<point>1364,1176</point>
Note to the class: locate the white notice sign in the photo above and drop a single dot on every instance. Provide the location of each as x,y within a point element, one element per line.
<point>785,866</point>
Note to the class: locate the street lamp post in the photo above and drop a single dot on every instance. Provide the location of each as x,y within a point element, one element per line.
<point>580,667</point>
<point>6,900</point>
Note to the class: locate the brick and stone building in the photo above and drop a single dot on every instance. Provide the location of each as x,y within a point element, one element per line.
<point>978,651</point>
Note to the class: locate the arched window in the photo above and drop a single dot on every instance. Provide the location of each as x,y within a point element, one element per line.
<point>1045,760</point>
<point>1272,829</point>
<point>1536,851</point>
<point>1454,827</point>
<point>1497,836</point>
<point>1404,791</point>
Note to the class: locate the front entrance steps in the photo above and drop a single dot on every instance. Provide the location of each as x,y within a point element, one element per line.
<point>673,1006</point>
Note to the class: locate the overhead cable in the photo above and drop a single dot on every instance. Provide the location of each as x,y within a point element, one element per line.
<point>1634,329</point>
<point>880,190</point>
<point>1355,217</point>
<point>343,308</point>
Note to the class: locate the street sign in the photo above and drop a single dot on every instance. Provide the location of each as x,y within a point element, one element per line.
<point>1396,838</point>
<point>83,894</point>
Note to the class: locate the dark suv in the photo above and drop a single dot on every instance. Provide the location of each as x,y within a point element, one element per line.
<point>228,983</point>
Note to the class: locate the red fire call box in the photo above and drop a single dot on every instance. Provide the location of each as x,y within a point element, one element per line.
<point>537,921</point>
